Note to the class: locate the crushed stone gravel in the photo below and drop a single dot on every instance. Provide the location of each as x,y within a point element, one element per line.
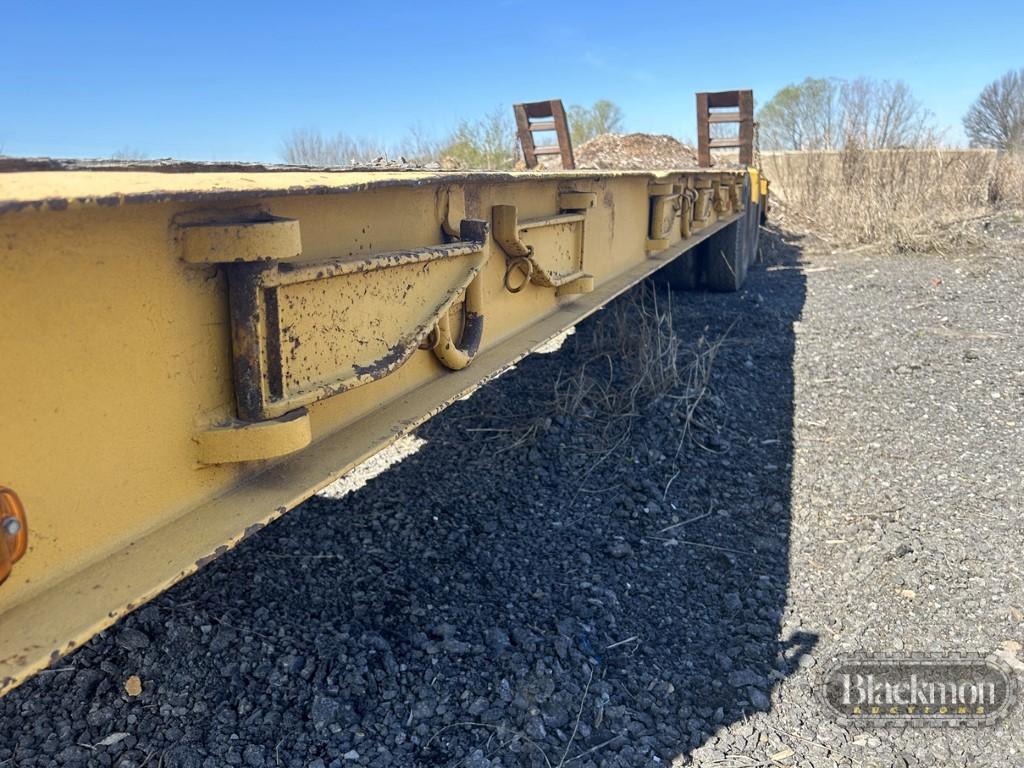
<point>510,594</point>
<point>634,151</point>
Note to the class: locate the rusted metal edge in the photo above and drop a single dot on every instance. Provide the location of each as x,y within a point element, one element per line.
<point>170,165</point>
<point>286,273</point>
<point>389,180</point>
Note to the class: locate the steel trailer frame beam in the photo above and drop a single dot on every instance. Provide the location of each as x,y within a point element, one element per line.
<point>197,353</point>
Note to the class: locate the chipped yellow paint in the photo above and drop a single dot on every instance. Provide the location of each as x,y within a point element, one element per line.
<point>119,378</point>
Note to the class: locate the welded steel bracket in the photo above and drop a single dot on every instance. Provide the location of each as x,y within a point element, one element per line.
<point>703,212</point>
<point>551,247</point>
<point>266,238</point>
<point>302,331</point>
<point>237,441</point>
<point>666,205</point>
<point>686,214</point>
<point>722,197</point>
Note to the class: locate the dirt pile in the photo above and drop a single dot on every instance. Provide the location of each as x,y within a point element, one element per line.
<point>634,151</point>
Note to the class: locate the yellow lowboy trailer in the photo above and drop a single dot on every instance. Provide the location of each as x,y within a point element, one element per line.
<point>187,355</point>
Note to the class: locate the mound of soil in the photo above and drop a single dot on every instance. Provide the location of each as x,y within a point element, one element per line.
<point>634,151</point>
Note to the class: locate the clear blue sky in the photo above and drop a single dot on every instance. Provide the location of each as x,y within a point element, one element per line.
<point>228,80</point>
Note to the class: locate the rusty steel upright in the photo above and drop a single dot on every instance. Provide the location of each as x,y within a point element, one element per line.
<point>544,117</point>
<point>733,107</point>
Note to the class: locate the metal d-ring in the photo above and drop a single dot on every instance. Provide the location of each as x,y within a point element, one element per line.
<point>456,354</point>
<point>517,263</point>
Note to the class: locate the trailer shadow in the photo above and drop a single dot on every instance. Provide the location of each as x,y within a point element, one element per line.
<point>505,596</point>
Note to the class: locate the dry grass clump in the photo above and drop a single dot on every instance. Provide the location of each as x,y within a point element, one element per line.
<point>634,363</point>
<point>634,357</point>
<point>629,364</point>
<point>906,199</point>
<point>629,361</point>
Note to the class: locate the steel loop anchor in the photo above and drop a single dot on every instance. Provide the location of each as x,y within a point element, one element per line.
<point>453,354</point>
<point>517,263</point>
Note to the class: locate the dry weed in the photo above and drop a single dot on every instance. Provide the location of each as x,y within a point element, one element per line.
<point>628,361</point>
<point>635,362</point>
<point>633,357</point>
<point>905,199</point>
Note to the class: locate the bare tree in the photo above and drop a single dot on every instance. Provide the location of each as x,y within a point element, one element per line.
<point>996,118</point>
<point>129,154</point>
<point>587,122</point>
<point>883,115</point>
<point>310,147</point>
<point>420,145</point>
<point>845,114</point>
<point>488,143</point>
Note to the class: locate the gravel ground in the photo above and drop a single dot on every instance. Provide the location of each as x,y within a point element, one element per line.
<point>544,582</point>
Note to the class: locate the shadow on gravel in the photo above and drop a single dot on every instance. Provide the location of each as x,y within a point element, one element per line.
<point>510,595</point>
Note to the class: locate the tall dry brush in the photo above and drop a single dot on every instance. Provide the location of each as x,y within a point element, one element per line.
<point>908,199</point>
